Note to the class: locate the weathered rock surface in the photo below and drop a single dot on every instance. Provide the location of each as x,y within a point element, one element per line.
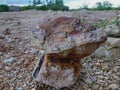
<point>65,41</point>
<point>64,33</point>
<point>112,31</point>
<point>60,73</point>
<point>113,45</point>
<point>103,53</point>
<point>114,42</point>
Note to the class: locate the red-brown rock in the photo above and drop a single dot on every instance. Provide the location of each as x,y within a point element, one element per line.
<point>65,41</point>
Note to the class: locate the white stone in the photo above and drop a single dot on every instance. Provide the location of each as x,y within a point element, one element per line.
<point>20,88</point>
<point>113,86</point>
<point>9,60</point>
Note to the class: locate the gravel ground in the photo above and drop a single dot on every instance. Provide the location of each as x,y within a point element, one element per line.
<point>19,52</point>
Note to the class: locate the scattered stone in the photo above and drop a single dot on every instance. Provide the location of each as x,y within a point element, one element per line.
<point>1,54</point>
<point>9,40</point>
<point>7,68</point>
<point>105,66</point>
<point>19,88</point>
<point>33,89</point>
<point>113,87</point>
<point>2,46</point>
<point>95,87</point>
<point>101,53</point>
<point>118,60</point>
<point>112,31</point>
<point>88,81</point>
<point>10,60</point>
<point>113,42</point>
<point>20,75</point>
<point>7,31</point>
<point>11,88</point>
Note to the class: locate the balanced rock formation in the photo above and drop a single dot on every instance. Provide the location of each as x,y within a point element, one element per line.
<point>64,41</point>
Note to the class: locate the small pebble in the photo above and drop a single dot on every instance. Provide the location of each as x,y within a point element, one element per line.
<point>113,86</point>
<point>33,89</point>
<point>19,88</point>
<point>104,66</point>
<point>10,60</point>
<point>11,88</point>
<point>7,68</point>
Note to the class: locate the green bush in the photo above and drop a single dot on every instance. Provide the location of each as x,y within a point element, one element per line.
<point>57,7</point>
<point>44,7</point>
<point>27,8</point>
<point>4,8</point>
<point>52,7</point>
<point>106,5</point>
<point>65,8</point>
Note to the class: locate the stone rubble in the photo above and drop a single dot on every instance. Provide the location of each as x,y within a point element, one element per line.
<point>19,73</point>
<point>9,60</point>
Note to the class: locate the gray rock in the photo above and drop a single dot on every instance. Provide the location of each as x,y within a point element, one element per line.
<point>19,88</point>
<point>113,87</point>
<point>102,52</point>
<point>10,40</point>
<point>7,68</point>
<point>112,31</point>
<point>113,42</point>
<point>10,60</point>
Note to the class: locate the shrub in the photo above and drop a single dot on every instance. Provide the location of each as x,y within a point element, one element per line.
<point>52,7</point>
<point>65,8</point>
<point>44,7</point>
<point>57,7</point>
<point>106,5</point>
<point>27,8</point>
<point>4,8</point>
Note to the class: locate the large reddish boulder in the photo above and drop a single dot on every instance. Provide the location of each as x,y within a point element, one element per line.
<point>65,41</point>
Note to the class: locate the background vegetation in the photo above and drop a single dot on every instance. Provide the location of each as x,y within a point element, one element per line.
<point>59,5</point>
<point>4,8</point>
<point>47,5</point>
<point>106,5</point>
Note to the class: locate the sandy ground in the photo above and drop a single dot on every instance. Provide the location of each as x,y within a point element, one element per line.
<point>20,51</point>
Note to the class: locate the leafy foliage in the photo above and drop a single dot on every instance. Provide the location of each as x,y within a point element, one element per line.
<point>36,2</point>
<point>27,8</point>
<point>4,8</point>
<point>106,5</point>
<point>53,5</point>
<point>44,7</point>
<point>56,8</point>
